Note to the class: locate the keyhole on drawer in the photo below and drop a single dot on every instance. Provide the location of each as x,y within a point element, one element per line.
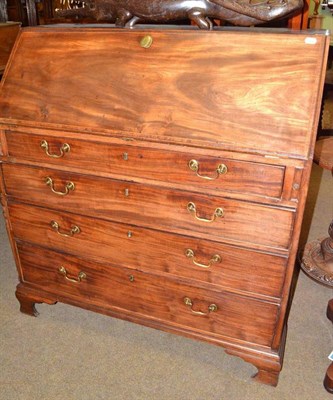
<point>129,234</point>
<point>125,156</point>
<point>131,278</point>
<point>126,192</point>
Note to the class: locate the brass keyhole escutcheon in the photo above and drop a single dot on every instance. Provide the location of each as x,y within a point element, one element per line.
<point>146,42</point>
<point>131,278</point>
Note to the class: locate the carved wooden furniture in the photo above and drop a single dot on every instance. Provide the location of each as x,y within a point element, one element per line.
<point>201,12</point>
<point>46,13</point>
<point>160,175</point>
<point>8,34</point>
<point>317,257</point>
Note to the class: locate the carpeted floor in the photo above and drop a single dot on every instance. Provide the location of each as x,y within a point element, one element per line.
<point>68,353</point>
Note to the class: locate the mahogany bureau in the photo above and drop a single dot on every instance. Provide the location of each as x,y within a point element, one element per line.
<point>159,175</point>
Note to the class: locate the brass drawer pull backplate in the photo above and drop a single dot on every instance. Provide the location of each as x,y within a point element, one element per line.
<point>218,213</point>
<point>80,277</point>
<point>215,259</point>
<point>74,229</point>
<point>211,308</point>
<point>221,169</point>
<point>68,187</point>
<point>65,148</point>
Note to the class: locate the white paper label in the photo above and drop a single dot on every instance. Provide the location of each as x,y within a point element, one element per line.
<point>310,40</point>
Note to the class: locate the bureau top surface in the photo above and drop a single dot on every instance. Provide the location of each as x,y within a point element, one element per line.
<point>239,89</point>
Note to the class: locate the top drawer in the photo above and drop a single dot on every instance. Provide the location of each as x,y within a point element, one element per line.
<point>189,169</point>
<point>238,89</point>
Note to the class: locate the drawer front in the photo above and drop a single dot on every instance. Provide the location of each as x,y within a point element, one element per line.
<point>149,206</point>
<point>149,250</point>
<point>158,298</point>
<point>188,169</point>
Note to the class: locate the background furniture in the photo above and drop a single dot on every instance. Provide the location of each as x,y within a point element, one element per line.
<point>3,11</point>
<point>24,11</point>
<point>8,34</point>
<point>33,12</point>
<point>136,186</point>
<point>317,257</point>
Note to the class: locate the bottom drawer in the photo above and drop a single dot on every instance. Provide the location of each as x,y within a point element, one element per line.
<point>215,312</point>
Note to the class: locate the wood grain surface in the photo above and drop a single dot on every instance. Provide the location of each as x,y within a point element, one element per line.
<point>151,206</point>
<point>244,177</point>
<point>221,88</point>
<point>8,34</point>
<point>162,298</point>
<point>256,273</point>
<point>134,118</point>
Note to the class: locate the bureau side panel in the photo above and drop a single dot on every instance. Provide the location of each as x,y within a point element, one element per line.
<point>4,209</point>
